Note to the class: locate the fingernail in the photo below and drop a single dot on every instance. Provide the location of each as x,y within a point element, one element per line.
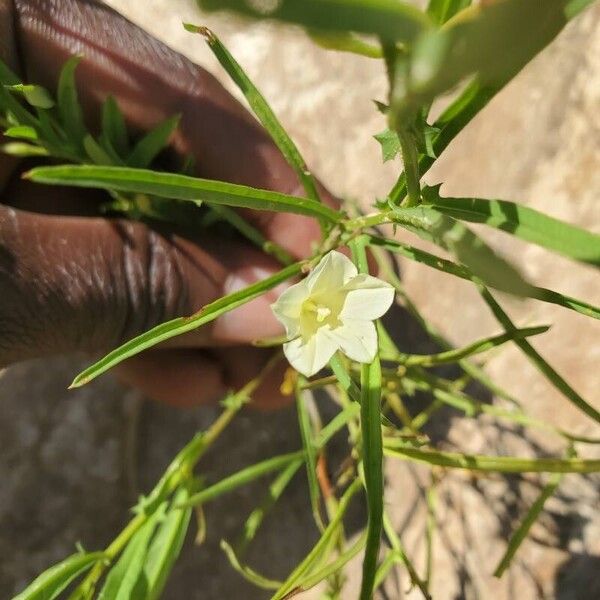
<point>253,320</point>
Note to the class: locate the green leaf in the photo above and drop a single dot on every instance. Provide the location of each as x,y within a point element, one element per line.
<point>153,143</point>
<point>68,102</point>
<point>256,517</point>
<point>23,132</point>
<point>53,581</point>
<point>166,546</point>
<point>247,572</point>
<point>261,109</point>
<point>523,222</point>
<point>373,465</point>
<point>182,325</point>
<point>530,518</point>
<point>538,360</point>
<point>335,566</point>
<point>180,187</point>
<point>345,42</point>
<point>398,548</point>
<point>16,113</point>
<point>95,152</point>
<point>446,266</point>
<point>441,11</point>
<point>127,579</point>
<point>390,144</point>
<point>23,150</point>
<point>114,130</point>
<point>389,19</point>
<point>469,249</point>
<point>499,464</point>
<point>244,477</point>
<point>310,453</point>
<point>36,96</point>
<point>494,42</point>
<point>313,556</point>
<point>458,354</point>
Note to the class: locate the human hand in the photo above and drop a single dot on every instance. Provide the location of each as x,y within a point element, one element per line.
<point>73,281</point>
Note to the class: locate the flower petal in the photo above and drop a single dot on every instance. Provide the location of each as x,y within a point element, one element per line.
<point>333,272</point>
<point>311,356</point>
<point>288,307</point>
<point>357,339</point>
<point>368,298</point>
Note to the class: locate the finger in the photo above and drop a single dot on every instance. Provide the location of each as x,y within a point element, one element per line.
<point>71,283</point>
<point>152,83</point>
<point>188,378</point>
<point>182,378</point>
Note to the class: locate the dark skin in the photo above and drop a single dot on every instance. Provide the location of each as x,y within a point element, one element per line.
<point>73,281</point>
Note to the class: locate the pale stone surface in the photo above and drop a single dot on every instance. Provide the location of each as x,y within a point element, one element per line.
<point>64,459</point>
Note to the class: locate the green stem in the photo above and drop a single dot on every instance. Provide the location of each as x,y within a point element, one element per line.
<point>410,157</point>
<point>180,470</point>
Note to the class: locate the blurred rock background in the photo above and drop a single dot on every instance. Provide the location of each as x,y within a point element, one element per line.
<point>71,463</point>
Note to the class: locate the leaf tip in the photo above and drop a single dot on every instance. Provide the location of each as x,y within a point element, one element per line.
<point>200,29</point>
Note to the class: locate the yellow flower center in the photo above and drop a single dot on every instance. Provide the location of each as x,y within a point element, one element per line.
<point>320,311</point>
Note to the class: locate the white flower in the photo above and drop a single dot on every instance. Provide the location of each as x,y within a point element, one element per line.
<point>332,309</point>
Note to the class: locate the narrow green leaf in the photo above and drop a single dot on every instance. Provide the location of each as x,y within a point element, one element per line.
<point>69,107</point>
<point>244,477</point>
<point>257,516</point>
<point>153,143</point>
<point>36,96</point>
<point>398,548</point>
<point>24,132</point>
<point>536,358</point>
<point>182,325</point>
<point>468,248</point>
<point>499,464</point>
<point>456,355</point>
<point>373,465</point>
<point>312,557</point>
<point>310,454</point>
<point>23,150</point>
<point>389,19</point>
<point>530,518</point>
<point>96,153</point>
<point>166,546</point>
<point>19,115</point>
<point>446,266</point>
<point>345,42</point>
<point>523,222</point>
<point>333,567</point>
<point>475,42</point>
<point>114,129</point>
<point>247,572</point>
<point>53,581</point>
<point>261,109</point>
<point>127,577</point>
<point>180,187</point>
<point>441,11</point>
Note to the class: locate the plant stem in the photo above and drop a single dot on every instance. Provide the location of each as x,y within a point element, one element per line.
<point>180,470</point>
<point>410,157</point>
